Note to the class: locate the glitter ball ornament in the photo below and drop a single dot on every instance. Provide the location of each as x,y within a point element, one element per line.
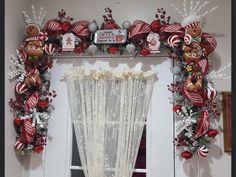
<point>130,48</point>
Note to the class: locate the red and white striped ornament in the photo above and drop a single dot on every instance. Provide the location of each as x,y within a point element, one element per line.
<point>173,40</point>
<point>49,49</point>
<point>188,39</point>
<point>19,145</point>
<point>28,131</point>
<point>43,36</point>
<point>176,29</point>
<point>32,101</point>
<point>80,28</point>
<point>21,88</point>
<point>139,27</point>
<point>195,98</point>
<point>53,26</point>
<point>204,65</point>
<point>203,125</point>
<point>203,151</point>
<point>209,43</point>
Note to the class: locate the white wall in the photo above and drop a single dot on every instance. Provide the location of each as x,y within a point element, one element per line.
<point>217,164</point>
<point>14,34</point>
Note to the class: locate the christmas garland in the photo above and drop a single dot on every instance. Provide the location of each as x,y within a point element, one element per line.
<point>32,104</point>
<point>194,97</point>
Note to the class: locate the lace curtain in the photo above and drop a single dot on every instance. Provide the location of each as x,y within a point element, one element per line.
<point>109,111</point>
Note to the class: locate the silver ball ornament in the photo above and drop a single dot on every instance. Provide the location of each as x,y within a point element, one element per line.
<point>126,24</point>
<point>130,48</point>
<point>93,26</point>
<point>92,48</point>
<point>48,76</point>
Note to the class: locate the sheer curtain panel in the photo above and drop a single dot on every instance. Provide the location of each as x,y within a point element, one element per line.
<point>108,111</point>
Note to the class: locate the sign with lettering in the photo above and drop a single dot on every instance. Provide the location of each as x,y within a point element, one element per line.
<point>115,36</point>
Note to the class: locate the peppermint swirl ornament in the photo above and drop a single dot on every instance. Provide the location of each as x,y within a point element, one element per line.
<point>173,41</point>
<point>188,39</point>
<point>203,151</point>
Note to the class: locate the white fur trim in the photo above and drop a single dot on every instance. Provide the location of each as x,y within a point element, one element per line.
<point>189,20</point>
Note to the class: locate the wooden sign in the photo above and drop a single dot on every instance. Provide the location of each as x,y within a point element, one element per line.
<point>68,42</point>
<point>115,36</point>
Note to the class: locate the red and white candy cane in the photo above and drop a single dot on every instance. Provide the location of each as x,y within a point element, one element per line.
<point>211,92</point>
<point>49,49</point>
<point>173,40</point>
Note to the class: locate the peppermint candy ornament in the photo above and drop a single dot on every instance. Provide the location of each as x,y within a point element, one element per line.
<point>203,151</point>
<point>43,36</point>
<point>49,49</point>
<point>21,88</point>
<point>173,40</point>
<point>188,39</point>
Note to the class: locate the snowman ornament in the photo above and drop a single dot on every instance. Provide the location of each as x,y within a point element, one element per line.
<point>153,40</point>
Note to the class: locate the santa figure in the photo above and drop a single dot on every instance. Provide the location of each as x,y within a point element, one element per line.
<point>153,40</point>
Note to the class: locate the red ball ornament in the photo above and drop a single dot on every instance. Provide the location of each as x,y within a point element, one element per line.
<point>187,155</point>
<point>176,108</point>
<point>113,50</point>
<point>43,104</point>
<point>66,26</point>
<point>155,26</point>
<point>38,149</point>
<point>212,133</point>
<point>79,50</point>
<point>17,121</point>
<point>145,52</point>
